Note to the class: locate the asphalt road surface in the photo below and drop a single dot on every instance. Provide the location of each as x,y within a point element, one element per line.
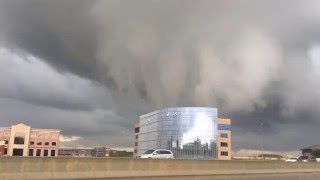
<point>291,176</point>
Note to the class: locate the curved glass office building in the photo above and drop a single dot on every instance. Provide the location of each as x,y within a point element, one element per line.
<point>189,132</point>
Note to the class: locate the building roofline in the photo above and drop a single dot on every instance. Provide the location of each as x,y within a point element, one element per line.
<point>311,147</point>
<point>33,129</point>
<point>36,129</point>
<point>159,110</point>
<point>149,114</point>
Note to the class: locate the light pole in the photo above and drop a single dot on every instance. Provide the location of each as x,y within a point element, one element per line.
<point>261,140</point>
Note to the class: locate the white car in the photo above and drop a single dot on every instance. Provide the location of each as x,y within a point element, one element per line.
<point>294,159</point>
<point>307,159</point>
<point>158,154</point>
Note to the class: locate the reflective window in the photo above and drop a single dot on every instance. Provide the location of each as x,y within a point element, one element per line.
<point>157,152</point>
<point>225,127</point>
<point>187,132</point>
<point>165,152</point>
<point>224,144</point>
<point>148,152</point>
<point>224,135</point>
<point>224,153</point>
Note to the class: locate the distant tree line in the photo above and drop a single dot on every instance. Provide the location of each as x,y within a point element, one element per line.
<point>120,154</point>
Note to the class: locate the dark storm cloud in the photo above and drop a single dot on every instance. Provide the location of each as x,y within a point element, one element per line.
<point>254,60</point>
<point>63,33</point>
<point>30,80</point>
<point>34,93</point>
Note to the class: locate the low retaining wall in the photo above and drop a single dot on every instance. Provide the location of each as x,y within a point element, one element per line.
<point>78,168</point>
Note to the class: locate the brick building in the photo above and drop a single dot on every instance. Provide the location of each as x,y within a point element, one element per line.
<point>22,140</point>
<point>1,148</point>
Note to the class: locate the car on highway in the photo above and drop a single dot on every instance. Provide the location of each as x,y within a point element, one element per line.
<point>307,159</point>
<point>293,159</point>
<point>157,154</point>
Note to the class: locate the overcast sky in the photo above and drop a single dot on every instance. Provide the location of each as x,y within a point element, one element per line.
<point>91,68</point>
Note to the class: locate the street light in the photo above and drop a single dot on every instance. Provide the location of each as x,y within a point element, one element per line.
<point>261,140</point>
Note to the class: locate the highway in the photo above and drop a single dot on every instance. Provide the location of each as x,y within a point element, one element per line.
<point>126,168</point>
<point>291,176</point>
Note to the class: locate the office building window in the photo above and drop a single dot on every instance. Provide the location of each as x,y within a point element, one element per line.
<point>5,150</point>
<point>177,129</point>
<point>17,152</point>
<point>46,143</point>
<point>137,136</point>
<point>38,152</point>
<point>31,142</point>
<point>136,130</point>
<point>136,143</point>
<point>224,144</point>
<point>6,142</point>
<point>39,143</point>
<point>30,152</point>
<point>225,127</point>
<point>45,152</point>
<point>19,139</point>
<point>224,135</point>
<point>53,152</point>
<point>224,153</point>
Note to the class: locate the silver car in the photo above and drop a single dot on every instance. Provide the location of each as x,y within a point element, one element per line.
<point>158,154</point>
<point>307,159</point>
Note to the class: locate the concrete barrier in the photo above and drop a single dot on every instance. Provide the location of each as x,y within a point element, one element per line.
<point>86,168</point>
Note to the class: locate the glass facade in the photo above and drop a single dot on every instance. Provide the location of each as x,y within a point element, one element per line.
<point>189,132</point>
